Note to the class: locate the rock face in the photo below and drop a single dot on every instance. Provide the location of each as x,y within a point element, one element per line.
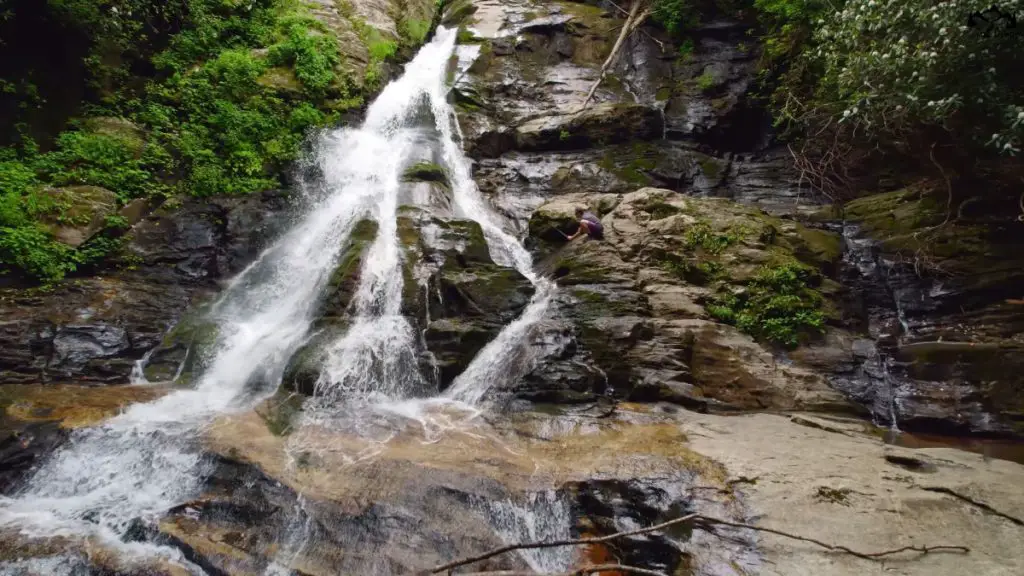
<point>94,329</point>
<point>638,301</point>
<point>85,212</point>
<point>938,353</point>
<point>454,296</point>
<point>936,298</point>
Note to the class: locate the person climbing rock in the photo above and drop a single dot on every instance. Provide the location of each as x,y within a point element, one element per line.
<point>589,224</point>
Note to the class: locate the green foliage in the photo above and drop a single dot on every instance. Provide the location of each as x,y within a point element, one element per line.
<point>686,48</point>
<point>311,53</point>
<point>415,31</point>
<point>31,249</point>
<point>702,236</point>
<point>787,24</point>
<point>466,36</point>
<point>214,121</point>
<point>675,15</point>
<point>778,305</point>
<point>96,159</point>
<point>425,172</point>
<point>889,65</point>
<point>380,49</point>
<point>890,69</point>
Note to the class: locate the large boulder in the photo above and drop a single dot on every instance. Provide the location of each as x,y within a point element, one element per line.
<point>462,298</point>
<point>80,212</point>
<point>643,302</point>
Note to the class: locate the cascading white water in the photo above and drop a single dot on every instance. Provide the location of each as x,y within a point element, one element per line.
<point>138,464</point>
<point>509,355</point>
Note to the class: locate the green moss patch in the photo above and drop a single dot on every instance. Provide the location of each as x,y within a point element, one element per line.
<point>630,164</point>
<point>426,172</point>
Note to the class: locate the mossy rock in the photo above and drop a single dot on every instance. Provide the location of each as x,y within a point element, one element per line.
<point>913,222</point>
<point>475,247</point>
<point>185,351</point>
<point>575,269</point>
<point>426,172</point>
<point>894,213</point>
<point>281,411</point>
<point>712,168</point>
<point>281,79</point>
<point>489,291</point>
<point>77,212</point>
<point>819,248</point>
<point>633,163</point>
<point>458,12</point>
<point>126,132</point>
<point>345,277</point>
<point>454,343</point>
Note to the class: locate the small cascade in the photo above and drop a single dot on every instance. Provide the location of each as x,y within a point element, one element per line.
<point>297,537</point>
<point>881,285</point>
<point>540,516</point>
<point>138,375</point>
<point>509,355</point>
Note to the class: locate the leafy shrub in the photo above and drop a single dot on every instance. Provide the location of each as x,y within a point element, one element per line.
<point>702,236</point>
<point>33,250</point>
<point>312,55</point>
<point>888,67</point>
<point>778,305</point>
<point>675,15</point>
<point>96,159</point>
<point>787,24</point>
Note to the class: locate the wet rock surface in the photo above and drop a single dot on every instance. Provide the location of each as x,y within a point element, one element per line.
<point>943,337</point>
<point>637,301</point>
<point>873,502</point>
<point>95,328</point>
<point>610,430</point>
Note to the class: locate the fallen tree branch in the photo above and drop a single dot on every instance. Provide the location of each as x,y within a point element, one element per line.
<point>698,520</point>
<point>626,12</point>
<point>836,547</point>
<point>559,543</point>
<point>973,502</point>
<point>585,571</point>
<point>633,21</point>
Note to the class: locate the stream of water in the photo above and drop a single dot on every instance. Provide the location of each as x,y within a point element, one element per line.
<point>108,478</point>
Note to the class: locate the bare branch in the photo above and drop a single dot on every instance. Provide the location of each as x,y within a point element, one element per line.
<point>585,571</point>
<point>635,19</point>
<point>973,502</point>
<point>645,33</point>
<point>560,543</point>
<point>699,520</point>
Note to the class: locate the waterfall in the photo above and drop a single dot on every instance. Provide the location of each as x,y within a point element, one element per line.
<point>137,465</point>
<point>509,355</point>
<point>140,463</point>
